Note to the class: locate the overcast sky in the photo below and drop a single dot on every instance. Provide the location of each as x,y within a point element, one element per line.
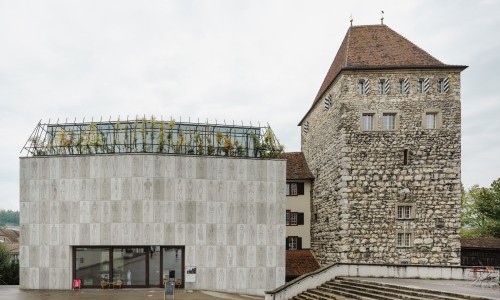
<point>250,61</point>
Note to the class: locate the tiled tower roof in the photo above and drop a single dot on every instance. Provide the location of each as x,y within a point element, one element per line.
<point>378,47</point>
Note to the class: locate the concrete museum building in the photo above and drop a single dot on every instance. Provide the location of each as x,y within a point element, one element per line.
<point>136,202</point>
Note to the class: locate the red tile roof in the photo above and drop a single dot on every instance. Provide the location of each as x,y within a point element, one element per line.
<point>296,166</point>
<point>12,235</point>
<point>377,47</point>
<point>484,243</point>
<point>300,262</point>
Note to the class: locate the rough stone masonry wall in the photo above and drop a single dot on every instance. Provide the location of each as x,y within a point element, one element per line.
<point>228,212</point>
<point>362,176</point>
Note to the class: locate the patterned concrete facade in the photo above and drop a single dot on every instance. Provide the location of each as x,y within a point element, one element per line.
<point>227,212</point>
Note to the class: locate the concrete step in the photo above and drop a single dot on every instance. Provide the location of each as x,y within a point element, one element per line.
<point>353,292</point>
<point>404,290</point>
<point>388,292</point>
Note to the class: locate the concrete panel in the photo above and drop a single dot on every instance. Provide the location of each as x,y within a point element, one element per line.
<point>207,204</point>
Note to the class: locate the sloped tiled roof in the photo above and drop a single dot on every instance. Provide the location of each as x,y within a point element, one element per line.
<point>300,262</point>
<point>12,248</point>
<point>377,47</point>
<point>11,234</point>
<point>296,166</point>
<point>484,243</point>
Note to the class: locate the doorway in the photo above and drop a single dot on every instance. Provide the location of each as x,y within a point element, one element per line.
<point>133,266</point>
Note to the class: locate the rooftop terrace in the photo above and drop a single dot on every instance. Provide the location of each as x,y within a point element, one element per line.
<point>148,135</point>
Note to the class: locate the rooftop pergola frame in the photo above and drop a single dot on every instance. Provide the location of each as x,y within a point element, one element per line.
<point>149,135</point>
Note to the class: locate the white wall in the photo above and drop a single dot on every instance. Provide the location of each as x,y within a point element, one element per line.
<point>228,212</point>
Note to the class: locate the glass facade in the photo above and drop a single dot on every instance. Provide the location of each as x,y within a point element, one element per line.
<point>128,266</point>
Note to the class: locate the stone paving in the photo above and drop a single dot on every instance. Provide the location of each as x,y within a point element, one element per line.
<point>12,292</point>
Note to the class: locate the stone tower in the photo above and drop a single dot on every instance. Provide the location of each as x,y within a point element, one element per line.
<point>382,139</point>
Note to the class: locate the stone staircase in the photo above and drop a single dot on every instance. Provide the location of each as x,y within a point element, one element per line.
<point>352,288</point>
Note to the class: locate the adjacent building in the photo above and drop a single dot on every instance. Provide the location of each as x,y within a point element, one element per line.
<point>143,201</point>
<point>382,138</point>
<point>299,183</point>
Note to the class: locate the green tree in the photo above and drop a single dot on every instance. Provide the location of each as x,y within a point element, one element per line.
<point>481,211</point>
<point>9,217</point>
<point>9,267</point>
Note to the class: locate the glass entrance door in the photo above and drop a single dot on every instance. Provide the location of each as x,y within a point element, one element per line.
<point>173,265</point>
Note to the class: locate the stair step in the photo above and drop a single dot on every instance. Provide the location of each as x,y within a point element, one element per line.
<point>392,293</point>
<point>353,291</point>
<point>421,294</point>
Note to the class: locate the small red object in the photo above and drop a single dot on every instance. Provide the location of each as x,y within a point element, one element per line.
<point>77,283</point>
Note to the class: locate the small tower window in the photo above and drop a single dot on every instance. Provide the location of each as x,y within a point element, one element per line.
<point>328,101</point>
<point>423,86</point>
<point>383,87</point>
<point>306,127</point>
<point>443,85</point>
<point>363,87</point>
<point>405,157</point>
<point>403,86</point>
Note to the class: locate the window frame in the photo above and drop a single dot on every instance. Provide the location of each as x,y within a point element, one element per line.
<point>438,120</point>
<point>372,123</point>
<point>421,86</point>
<point>394,121</point>
<point>381,86</point>
<point>412,207</point>
<point>298,191</point>
<point>404,239</point>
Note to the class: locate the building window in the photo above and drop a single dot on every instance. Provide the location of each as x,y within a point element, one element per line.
<point>404,86</point>
<point>363,87</point>
<point>403,239</point>
<point>420,86</point>
<point>293,243</point>
<point>423,86</point>
<point>405,157</point>
<point>389,121</point>
<point>405,212</point>
<point>294,188</point>
<point>431,120</point>
<point>383,87</point>
<point>294,218</point>
<point>443,85</point>
<point>367,122</point>
<point>328,101</point>
<point>306,127</point>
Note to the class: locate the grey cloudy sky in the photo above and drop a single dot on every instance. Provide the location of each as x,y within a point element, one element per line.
<point>250,61</point>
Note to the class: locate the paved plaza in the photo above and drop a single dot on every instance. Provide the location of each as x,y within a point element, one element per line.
<point>12,292</point>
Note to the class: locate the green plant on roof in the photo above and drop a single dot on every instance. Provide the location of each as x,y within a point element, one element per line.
<point>143,133</point>
<point>134,136</point>
<point>179,143</point>
<point>228,146</point>
<point>161,137</point>
<point>152,134</point>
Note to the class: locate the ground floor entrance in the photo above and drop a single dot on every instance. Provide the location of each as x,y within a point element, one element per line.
<point>128,266</point>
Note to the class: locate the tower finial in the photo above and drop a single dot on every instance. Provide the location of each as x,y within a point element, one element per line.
<point>350,19</point>
<point>382,18</point>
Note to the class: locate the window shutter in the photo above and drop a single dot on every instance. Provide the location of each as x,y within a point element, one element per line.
<point>427,85</point>
<point>300,218</point>
<point>328,101</point>
<point>367,87</point>
<point>300,188</point>
<point>286,243</point>
<point>299,243</point>
<point>406,86</point>
<point>446,85</point>
<point>386,87</point>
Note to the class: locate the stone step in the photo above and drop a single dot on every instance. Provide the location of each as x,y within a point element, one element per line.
<point>425,294</point>
<point>353,292</point>
<point>394,293</point>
